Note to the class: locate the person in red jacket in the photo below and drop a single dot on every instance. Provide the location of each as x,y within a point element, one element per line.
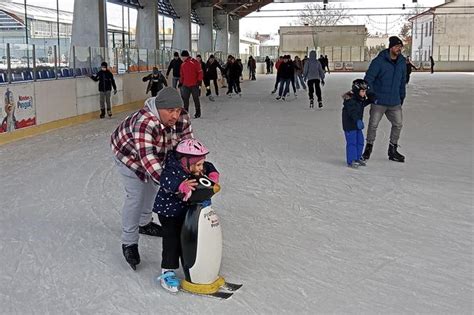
<point>190,80</point>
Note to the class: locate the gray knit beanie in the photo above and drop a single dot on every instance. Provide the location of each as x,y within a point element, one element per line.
<point>168,98</point>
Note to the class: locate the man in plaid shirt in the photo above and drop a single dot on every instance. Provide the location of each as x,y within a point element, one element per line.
<point>140,144</point>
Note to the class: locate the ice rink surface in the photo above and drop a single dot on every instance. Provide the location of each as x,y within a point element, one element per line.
<point>303,232</point>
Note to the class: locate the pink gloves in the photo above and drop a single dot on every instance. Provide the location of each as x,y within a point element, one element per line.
<point>186,189</point>
<point>214,176</point>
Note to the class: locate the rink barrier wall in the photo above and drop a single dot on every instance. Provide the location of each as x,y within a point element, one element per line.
<point>67,102</point>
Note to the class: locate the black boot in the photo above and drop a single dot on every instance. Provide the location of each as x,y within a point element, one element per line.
<point>130,252</point>
<point>367,151</point>
<point>102,113</point>
<point>393,154</point>
<point>152,229</point>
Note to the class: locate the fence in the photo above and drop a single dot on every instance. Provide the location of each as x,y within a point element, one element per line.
<point>22,62</point>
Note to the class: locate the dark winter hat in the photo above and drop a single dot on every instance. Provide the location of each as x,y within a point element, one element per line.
<point>176,54</point>
<point>168,98</point>
<point>103,64</point>
<point>211,56</point>
<point>394,41</point>
<point>155,71</point>
<point>185,53</point>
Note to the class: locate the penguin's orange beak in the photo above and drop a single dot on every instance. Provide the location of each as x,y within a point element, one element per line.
<point>216,188</point>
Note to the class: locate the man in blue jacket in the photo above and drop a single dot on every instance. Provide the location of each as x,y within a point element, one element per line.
<point>386,78</point>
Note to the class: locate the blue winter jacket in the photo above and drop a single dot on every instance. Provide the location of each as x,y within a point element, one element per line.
<point>353,110</point>
<point>387,79</point>
<point>168,201</point>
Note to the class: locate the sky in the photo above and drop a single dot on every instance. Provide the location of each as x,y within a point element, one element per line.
<point>253,22</point>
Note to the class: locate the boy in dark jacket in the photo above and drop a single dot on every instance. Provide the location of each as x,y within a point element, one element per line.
<point>175,65</point>
<point>233,73</point>
<point>106,83</point>
<point>156,81</point>
<point>286,72</point>
<point>176,187</point>
<point>352,122</point>
<point>211,74</point>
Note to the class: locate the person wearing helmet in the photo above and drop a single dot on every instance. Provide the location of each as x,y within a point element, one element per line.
<point>352,122</point>
<point>176,187</point>
<point>140,144</point>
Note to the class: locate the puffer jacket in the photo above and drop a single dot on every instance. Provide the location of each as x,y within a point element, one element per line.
<point>168,201</point>
<point>387,79</point>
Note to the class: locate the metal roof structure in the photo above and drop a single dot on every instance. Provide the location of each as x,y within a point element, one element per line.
<point>8,22</point>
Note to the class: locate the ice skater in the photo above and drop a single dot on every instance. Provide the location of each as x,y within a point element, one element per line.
<point>156,82</point>
<point>352,122</point>
<point>286,72</point>
<point>139,145</point>
<point>386,77</point>
<point>176,187</point>
<point>313,74</point>
<point>106,83</point>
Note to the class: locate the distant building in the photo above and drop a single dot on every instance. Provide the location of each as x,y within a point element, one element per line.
<point>444,32</point>
<point>340,42</point>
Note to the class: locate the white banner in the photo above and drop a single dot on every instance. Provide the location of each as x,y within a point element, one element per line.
<point>18,109</point>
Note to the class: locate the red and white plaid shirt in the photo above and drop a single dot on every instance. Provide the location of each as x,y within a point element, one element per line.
<point>141,142</point>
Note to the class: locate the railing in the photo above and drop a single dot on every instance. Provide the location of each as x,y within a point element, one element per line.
<point>22,62</point>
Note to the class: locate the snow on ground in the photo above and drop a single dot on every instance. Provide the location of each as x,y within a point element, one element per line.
<point>304,233</point>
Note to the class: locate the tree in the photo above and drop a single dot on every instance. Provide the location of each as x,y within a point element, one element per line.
<point>406,30</point>
<point>314,14</point>
<point>405,34</point>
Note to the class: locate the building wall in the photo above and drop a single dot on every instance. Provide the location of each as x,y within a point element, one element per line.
<point>452,38</point>
<point>422,38</point>
<point>298,40</point>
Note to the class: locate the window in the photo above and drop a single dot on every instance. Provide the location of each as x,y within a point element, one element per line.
<point>416,33</point>
<point>421,33</point>
<point>425,55</point>
<point>431,27</point>
<point>426,29</point>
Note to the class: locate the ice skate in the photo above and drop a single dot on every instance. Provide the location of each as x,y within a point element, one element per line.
<point>393,154</point>
<point>353,165</point>
<point>320,104</point>
<point>360,162</point>
<point>311,103</point>
<point>367,152</point>
<point>102,113</point>
<point>169,281</point>
<point>130,252</point>
<point>109,112</point>
<point>151,229</point>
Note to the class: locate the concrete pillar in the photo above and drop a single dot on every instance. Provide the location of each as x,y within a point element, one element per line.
<point>89,26</point>
<point>147,25</point>
<point>89,29</point>
<point>234,38</point>
<point>205,41</point>
<point>222,35</point>
<point>182,26</point>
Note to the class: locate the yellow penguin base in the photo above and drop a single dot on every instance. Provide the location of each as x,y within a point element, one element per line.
<point>203,288</point>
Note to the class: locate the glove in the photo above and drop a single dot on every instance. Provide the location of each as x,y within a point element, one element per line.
<point>115,92</point>
<point>214,176</point>
<point>401,101</point>
<point>186,189</point>
<point>180,84</point>
<point>360,124</point>
<point>322,82</point>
